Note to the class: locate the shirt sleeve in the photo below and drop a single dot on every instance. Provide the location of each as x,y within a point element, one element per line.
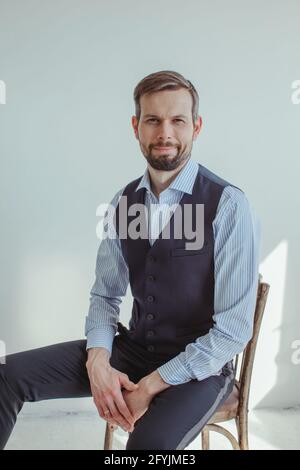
<point>110,286</point>
<point>236,258</point>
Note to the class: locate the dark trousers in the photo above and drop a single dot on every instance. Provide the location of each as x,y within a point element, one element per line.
<point>173,420</point>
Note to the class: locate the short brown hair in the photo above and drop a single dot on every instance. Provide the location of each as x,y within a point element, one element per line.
<point>165,80</point>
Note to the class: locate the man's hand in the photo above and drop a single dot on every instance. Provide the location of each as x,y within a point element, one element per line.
<point>138,403</point>
<point>138,400</point>
<point>106,383</point>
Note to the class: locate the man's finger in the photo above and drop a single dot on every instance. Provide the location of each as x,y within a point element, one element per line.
<point>106,416</point>
<point>116,415</point>
<point>123,408</point>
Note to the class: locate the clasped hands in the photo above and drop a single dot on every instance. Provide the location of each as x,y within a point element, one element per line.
<point>137,398</point>
<point>119,400</point>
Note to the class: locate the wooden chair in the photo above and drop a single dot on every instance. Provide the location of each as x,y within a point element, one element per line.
<point>236,406</point>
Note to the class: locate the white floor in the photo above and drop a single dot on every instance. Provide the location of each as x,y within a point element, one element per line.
<point>62,424</point>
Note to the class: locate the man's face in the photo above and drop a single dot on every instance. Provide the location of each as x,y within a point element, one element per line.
<point>166,130</point>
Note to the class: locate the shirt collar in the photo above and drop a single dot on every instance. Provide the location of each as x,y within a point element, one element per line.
<point>184,181</point>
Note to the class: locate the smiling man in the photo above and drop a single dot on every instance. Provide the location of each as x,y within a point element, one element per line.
<point>166,138</point>
<point>164,376</point>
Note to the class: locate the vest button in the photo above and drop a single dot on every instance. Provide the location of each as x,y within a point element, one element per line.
<point>150,333</point>
<point>151,258</point>
<point>150,316</point>
<point>150,298</point>
<point>150,278</point>
<point>150,348</point>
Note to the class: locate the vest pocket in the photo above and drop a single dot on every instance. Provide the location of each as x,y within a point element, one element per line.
<point>192,331</point>
<point>184,252</point>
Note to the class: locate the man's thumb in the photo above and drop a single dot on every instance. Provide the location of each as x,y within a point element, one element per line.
<point>128,384</point>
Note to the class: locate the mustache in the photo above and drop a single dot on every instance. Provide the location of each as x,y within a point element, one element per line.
<point>167,145</point>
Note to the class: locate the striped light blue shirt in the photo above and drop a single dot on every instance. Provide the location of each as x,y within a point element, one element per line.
<point>236,231</point>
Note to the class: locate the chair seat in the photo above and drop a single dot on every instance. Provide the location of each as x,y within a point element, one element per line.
<point>229,409</point>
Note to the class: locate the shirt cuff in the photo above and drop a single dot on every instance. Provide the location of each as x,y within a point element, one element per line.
<point>99,338</point>
<point>175,372</point>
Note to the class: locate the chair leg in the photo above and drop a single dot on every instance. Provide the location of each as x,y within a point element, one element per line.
<point>109,434</point>
<point>242,425</point>
<point>226,433</point>
<point>205,438</point>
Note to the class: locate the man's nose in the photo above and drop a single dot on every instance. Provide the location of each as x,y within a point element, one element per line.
<point>164,132</point>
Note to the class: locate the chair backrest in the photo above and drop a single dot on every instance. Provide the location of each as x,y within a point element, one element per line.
<point>248,354</point>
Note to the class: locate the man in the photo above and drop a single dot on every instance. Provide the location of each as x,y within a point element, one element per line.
<point>164,377</point>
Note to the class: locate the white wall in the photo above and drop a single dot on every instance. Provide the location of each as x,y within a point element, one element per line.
<point>66,145</point>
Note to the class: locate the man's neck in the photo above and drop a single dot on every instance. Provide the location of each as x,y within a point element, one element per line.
<point>160,180</point>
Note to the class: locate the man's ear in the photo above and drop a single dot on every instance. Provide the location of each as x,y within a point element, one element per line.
<point>197,127</point>
<point>135,124</point>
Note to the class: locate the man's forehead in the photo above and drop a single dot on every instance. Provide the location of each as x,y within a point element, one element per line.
<point>174,103</point>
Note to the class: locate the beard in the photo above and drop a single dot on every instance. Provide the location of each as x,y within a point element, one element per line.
<point>166,161</point>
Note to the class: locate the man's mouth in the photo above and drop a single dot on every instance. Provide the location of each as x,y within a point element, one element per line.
<point>163,149</point>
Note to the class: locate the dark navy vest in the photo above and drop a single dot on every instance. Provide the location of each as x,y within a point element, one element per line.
<point>172,287</point>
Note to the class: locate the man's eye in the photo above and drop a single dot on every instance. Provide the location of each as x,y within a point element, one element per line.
<point>153,119</point>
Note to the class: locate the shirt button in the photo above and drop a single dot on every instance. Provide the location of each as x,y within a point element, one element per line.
<point>150,316</point>
<point>150,348</point>
<point>150,278</point>
<point>150,333</point>
<point>150,298</point>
